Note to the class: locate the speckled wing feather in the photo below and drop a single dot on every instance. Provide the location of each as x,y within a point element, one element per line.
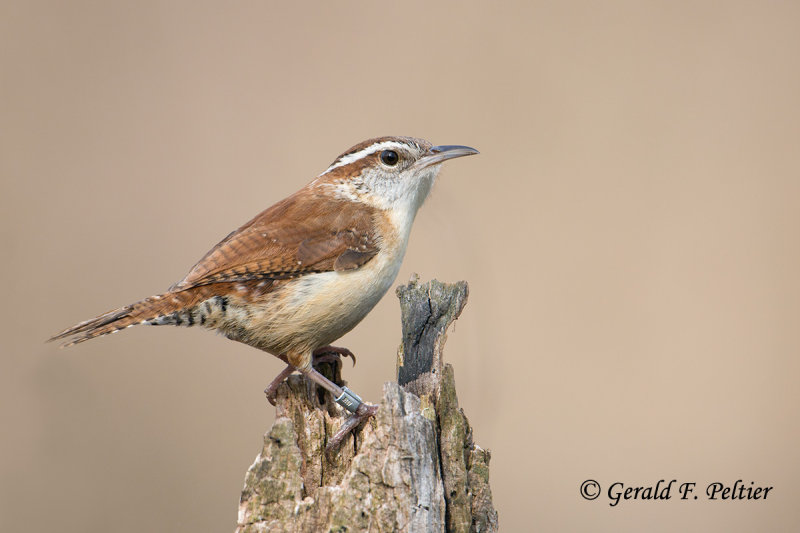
<point>302,234</point>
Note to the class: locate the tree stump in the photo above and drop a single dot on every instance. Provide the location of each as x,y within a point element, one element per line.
<point>413,467</point>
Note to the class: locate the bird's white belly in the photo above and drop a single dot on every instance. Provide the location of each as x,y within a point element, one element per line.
<point>334,302</point>
<point>316,309</point>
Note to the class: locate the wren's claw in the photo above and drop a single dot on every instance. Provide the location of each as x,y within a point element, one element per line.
<point>332,354</point>
<point>362,414</point>
<point>272,389</point>
<point>347,399</point>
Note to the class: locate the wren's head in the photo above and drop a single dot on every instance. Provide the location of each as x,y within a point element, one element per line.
<point>394,173</point>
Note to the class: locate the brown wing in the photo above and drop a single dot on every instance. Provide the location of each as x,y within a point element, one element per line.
<point>302,234</point>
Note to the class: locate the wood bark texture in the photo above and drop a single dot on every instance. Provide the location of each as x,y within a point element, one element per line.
<point>411,468</point>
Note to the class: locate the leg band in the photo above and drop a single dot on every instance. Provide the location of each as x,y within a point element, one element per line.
<point>349,400</point>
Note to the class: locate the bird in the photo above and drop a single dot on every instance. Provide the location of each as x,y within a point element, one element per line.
<point>305,271</point>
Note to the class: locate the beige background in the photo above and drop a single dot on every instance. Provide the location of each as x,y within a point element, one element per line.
<point>629,232</point>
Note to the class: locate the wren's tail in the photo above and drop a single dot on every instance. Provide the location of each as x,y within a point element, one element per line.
<point>179,308</point>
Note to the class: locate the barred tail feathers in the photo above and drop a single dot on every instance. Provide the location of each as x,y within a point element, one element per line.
<point>172,308</point>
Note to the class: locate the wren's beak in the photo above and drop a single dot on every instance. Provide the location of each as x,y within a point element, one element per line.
<point>439,154</point>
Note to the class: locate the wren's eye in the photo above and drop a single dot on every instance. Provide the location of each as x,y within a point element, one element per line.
<point>389,158</point>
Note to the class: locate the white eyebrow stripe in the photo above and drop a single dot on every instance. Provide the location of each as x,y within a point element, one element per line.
<point>371,149</point>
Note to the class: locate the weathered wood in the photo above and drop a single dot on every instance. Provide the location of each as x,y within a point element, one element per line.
<point>427,312</point>
<point>413,467</point>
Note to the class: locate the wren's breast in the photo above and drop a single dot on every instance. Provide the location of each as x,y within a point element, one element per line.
<point>333,303</point>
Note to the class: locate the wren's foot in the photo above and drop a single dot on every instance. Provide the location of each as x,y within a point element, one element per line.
<point>362,414</point>
<point>347,399</point>
<point>272,389</point>
<point>331,354</point>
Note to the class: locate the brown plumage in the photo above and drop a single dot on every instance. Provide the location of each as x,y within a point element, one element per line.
<point>303,234</point>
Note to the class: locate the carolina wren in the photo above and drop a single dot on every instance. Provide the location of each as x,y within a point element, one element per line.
<point>304,272</point>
